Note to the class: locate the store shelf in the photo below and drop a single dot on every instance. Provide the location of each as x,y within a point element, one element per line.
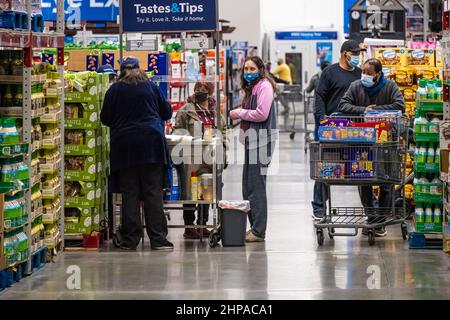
<point>430,228</point>
<point>73,237</point>
<point>51,167</point>
<point>426,137</point>
<point>53,217</point>
<point>35,79</point>
<point>23,39</point>
<point>51,143</point>
<point>51,193</point>
<point>13,150</point>
<point>427,168</point>
<point>15,228</point>
<point>430,106</point>
<point>427,198</point>
<point>51,118</point>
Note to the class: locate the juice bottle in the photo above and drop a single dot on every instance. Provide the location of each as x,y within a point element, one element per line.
<point>437,216</point>
<point>430,154</point>
<point>437,157</point>
<point>428,215</point>
<point>422,91</point>
<point>425,185</point>
<point>422,155</point>
<point>436,188</point>
<point>420,214</point>
<point>439,90</point>
<point>431,87</point>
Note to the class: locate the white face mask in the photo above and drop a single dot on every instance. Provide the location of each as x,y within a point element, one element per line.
<point>367,81</point>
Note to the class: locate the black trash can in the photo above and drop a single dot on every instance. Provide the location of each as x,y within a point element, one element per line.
<point>233,217</point>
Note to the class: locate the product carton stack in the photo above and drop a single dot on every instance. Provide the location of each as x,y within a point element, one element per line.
<point>86,153</point>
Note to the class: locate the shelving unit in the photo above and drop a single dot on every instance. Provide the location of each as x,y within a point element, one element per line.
<point>29,107</point>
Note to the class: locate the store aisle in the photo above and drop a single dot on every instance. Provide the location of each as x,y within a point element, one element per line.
<point>288,266</point>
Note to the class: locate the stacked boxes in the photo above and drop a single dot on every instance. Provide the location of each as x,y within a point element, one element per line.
<point>85,153</point>
<point>407,66</point>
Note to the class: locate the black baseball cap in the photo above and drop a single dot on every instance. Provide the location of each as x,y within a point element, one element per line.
<point>352,46</point>
<point>107,69</point>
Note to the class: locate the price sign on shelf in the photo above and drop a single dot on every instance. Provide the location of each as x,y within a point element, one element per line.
<point>201,43</point>
<point>142,45</point>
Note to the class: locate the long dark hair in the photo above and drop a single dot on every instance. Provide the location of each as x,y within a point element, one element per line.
<point>262,75</point>
<point>133,76</point>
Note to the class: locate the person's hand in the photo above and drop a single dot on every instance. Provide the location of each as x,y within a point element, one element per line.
<point>371,107</point>
<point>234,114</point>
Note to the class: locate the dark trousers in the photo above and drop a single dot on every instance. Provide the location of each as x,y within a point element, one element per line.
<point>367,200</point>
<point>318,204</point>
<point>146,183</point>
<point>254,184</point>
<point>189,214</point>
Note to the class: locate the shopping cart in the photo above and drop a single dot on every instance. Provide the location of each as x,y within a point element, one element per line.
<point>354,154</point>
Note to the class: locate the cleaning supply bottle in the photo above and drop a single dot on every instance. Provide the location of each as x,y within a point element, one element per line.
<point>436,187</point>
<point>422,155</point>
<point>428,215</point>
<point>439,90</point>
<point>437,216</point>
<point>431,87</point>
<point>194,186</point>
<point>420,214</point>
<point>422,91</point>
<point>174,193</point>
<point>430,154</point>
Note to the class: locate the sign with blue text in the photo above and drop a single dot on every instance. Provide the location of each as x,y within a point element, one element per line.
<point>168,15</point>
<point>306,35</point>
<point>85,10</point>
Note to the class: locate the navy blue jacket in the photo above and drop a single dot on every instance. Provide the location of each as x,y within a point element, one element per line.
<point>136,115</point>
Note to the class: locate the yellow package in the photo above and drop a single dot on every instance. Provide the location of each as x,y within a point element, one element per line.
<point>403,76</point>
<point>421,57</point>
<point>410,108</point>
<point>409,93</point>
<point>391,56</point>
<point>428,73</point>
<point>389,73</point>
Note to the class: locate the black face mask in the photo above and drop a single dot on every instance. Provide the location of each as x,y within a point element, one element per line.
<point>200,97</point>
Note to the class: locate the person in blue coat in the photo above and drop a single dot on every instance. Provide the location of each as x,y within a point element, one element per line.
<point>135,110</point>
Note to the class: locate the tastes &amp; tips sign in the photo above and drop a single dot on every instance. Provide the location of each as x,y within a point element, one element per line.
<point>168,15</point>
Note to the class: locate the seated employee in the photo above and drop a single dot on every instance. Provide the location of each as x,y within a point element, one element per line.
<point>373,92</point>
<point>191,119</point>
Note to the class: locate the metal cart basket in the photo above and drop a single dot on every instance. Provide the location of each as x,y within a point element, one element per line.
<point>347,159</point>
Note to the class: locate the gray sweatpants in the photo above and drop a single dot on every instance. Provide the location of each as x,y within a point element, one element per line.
<point>254,190</point>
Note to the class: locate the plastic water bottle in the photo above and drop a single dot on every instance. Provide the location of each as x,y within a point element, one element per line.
<point>428,215</point>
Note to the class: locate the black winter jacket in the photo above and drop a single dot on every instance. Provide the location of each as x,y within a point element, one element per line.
<point>356,100</point>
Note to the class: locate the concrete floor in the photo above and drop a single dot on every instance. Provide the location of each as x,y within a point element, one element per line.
<point>288,266</point>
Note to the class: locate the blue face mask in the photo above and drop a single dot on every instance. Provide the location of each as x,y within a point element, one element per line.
<point>250,77</point>
<point>367,81</point>
<point>354,61</point>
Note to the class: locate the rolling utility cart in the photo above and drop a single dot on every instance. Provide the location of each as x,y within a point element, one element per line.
<point>363,151</point>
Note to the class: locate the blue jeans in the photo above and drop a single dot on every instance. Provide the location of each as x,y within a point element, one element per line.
<point>318,206</point>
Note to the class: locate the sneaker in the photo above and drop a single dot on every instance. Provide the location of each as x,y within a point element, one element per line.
<point>165,246</point>
<point>126,248</point>
<point>380,232</point>
<point>253,238</point>
<point>191,234</point>
<point>318,215</point>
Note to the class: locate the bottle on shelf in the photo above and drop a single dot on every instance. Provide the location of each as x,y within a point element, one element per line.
<point>422,92</point>
<point>194,186</point>
<point>422,154</point>
<point>421,125</point>
<point>437,216</point>
<point>437,157</point>
<point>439,90</point>
<point>434,125</point>
<point>429,215</point>
<point>425,184</point>
<point>436,189</point>
<point>431,154</point>
<point>420,214</point>
<point>431,88</point>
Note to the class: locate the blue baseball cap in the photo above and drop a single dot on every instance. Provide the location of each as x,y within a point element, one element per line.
<point>129,63</point>
<point>107,69</point>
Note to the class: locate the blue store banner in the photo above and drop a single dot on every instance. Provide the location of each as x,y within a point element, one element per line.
<point>108,58</point>
<point>89,10</point>
<point>168,15</point>
<point>158,63</point>
<point>324,52</point>
<point>48,57</point>
<point>306,35</point>
<point>92,63</point>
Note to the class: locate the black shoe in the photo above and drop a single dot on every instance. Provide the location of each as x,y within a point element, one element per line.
<point>165,246</point>
<point>127,248</point>
<point>318,215</point>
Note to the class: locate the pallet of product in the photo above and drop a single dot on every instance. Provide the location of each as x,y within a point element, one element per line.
<point>425,241</point>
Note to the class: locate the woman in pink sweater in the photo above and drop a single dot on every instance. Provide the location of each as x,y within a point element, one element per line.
<point>259,136</point>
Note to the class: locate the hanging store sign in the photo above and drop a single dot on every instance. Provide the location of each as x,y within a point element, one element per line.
<point>164,16</point>
<point>142,45</point>
<point>201,43</point>
<point>84,10</point>
<point>307,35</point>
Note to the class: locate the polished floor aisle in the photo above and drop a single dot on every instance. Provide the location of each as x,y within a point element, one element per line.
<point>288,266</point>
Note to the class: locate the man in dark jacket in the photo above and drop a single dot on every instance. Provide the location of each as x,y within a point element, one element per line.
<point>333,84</point>
<point>314,82</point>
<point>373,92</point>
